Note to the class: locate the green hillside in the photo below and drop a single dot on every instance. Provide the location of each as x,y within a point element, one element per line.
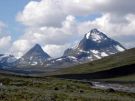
<point>123,59</point>
<point>15,88</point>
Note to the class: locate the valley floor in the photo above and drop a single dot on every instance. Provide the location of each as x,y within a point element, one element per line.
<point>14,88</point>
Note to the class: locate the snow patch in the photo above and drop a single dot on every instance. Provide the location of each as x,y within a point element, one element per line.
<point>103,54</point>
<point>84,51</point>
<point>96,37</point>
<point>11,59</point>
<point>72,57</point>
<point>98,57</point>
<point>119,48</point>
<point>34,63</point>
<point>31,58</point>
<point>60,59</point>
<point>1,57</point>
<point>94,51</point>
<point>90,58</point>
<point>88,35</point>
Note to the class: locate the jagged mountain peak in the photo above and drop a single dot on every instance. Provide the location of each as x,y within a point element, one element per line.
<point>95,45</point>
<point>94,30</point>
<point>36,47</point>
<point>36,51</point>
<point>35,56</point>
<point>95,35</point>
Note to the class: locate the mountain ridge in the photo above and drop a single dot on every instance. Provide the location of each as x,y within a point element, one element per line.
<point>35,56</point>
<point>121,59</point>
<point>94,45</point>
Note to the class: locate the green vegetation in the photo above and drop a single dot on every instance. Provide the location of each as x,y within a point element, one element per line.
<point>53,89</point>
<point>127,78</point>
<point>17,88</point>
<point>117,60</point>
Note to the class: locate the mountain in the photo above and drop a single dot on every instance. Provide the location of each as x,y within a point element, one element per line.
<point>62,62</point>
<point>94,45</point>
<point>6,60</point>
<point>119,65</point>
<point>35,56</point>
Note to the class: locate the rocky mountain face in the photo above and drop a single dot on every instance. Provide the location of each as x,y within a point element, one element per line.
<point>61,62</point>
<point>94,45</point>
<point>6,60</point>
<point>35,56</point>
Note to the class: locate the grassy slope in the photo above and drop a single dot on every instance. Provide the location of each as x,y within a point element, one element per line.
<point>52,89</point>
<point>117,60</point>
<point>127,78</point>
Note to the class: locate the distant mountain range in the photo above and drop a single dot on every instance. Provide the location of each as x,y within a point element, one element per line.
<point>95,45</point>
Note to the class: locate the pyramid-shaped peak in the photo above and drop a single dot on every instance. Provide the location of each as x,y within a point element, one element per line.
<point>94,30</point>
<point>37,46</point>
<point>36,51</point>
<point>95,35</point>
<point>95,43</point>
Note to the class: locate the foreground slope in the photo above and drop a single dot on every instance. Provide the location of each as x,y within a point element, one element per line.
<point>115,64</point>
<point>53,89</point>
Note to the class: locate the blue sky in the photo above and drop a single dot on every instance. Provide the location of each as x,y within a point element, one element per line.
<point>8,12</point>
<point>88,17</point>
<point>58,24</point>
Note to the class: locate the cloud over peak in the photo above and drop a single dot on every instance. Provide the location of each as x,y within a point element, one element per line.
<point>55,25</point>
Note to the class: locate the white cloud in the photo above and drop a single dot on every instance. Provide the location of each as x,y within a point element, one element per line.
<point>45,12</point>
<point>5,43</point>
<point>55,50</point>
<point>48,36</point>
<point>119,7</point>
<point>53,12</point>
<point>19,47</point>
<point>5,39</point>
<point>118,31</point>
<point>52,35</point>
<point>53,23</point>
